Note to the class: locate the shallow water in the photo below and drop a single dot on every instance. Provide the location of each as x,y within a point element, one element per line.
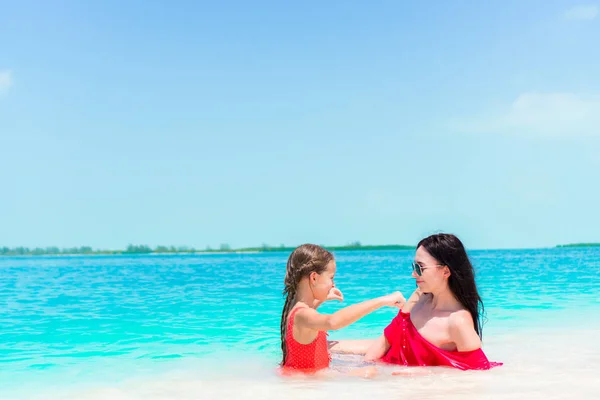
<point>206,326</point>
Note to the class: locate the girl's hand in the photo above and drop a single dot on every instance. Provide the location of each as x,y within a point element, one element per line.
<point>394,300</point>
<point>335,294</point>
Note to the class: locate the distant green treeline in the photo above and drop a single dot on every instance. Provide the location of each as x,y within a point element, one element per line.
<point>144,249</point>
<point>580,245</point>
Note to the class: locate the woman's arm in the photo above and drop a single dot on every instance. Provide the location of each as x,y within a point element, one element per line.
<point>377,349</point>
<point>381,346</point>
<point>350,346</point>
<point>412,300</point>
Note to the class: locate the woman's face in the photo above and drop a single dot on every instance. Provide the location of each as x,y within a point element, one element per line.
<point>433,276</point>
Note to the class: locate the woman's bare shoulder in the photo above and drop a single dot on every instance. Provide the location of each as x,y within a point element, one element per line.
<point>461,319</point>
<point>462,331</point>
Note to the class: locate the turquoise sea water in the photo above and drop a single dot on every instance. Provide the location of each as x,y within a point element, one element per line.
<point>98,320</point>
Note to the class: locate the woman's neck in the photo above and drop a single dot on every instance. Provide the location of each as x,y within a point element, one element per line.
<point>443,300</point>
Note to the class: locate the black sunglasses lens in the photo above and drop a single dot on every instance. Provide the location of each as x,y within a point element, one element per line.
<point>417,268</point>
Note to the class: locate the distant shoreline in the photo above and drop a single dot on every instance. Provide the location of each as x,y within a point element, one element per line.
<point>580,245</point>
<point>224,249</point>
<point>143,249</point>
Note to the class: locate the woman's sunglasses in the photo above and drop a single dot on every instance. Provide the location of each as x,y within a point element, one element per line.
<point>419,270</point>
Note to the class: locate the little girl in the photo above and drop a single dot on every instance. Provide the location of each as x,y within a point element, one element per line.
<point>308,283</point>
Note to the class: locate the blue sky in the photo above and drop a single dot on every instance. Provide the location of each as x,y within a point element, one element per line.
<point>197,124</point>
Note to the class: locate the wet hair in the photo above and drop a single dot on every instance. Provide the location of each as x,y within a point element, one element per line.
<point>303,261</point>
<point>448,250</point>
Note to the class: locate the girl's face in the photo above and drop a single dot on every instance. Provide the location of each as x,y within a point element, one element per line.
<point>322,283</point>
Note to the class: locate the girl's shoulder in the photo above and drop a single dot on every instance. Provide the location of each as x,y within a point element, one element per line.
<point>295,309</point>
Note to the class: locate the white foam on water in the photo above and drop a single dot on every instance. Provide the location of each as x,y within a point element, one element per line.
<point>538,364</point>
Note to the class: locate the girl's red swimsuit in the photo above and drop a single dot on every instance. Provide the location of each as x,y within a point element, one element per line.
<point>305,357</point>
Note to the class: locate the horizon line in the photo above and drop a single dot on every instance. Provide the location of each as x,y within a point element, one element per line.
<point>225,248</point>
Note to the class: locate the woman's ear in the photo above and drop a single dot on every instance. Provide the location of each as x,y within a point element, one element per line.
<point>447,272</point>
<point>312,278</point>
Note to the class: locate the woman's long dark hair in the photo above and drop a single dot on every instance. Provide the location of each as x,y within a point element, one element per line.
<point>448,250</point>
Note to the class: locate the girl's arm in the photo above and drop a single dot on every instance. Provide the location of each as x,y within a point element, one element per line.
<point>310,318</point>
<point>376,348</point>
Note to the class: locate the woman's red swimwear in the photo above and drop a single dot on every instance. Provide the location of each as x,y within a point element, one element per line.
<point>408,347</point>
